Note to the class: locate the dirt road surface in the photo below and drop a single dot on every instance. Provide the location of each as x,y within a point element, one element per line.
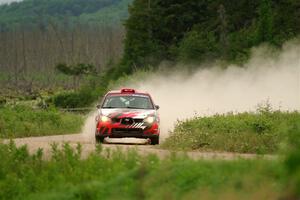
<point>140,146</point>
<point>86,139</point>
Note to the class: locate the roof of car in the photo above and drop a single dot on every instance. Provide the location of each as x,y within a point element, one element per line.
<point>127,92</point>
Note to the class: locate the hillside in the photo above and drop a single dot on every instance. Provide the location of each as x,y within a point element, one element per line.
<point>40,13</point>
<point>36,35</point>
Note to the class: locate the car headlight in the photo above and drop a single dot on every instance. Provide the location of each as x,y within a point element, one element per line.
<point>104,118</point>
<point>150,119</point>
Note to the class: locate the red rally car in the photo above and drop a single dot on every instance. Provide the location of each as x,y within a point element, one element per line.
<point>127,113</point>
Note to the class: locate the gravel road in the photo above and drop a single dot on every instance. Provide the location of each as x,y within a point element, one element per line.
<point>86,139</point>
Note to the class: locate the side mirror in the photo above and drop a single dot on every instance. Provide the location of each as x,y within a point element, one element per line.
<point>98,106</point>
<point>156,107</point>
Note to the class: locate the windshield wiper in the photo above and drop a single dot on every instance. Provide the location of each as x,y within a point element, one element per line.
<point>132,107</point>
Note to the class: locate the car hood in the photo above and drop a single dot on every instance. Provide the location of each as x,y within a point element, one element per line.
<point>123,113</point>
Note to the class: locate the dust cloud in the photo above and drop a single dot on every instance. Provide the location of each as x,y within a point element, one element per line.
<point>266,77</point>
<point>213,89</point>
<point>89,128</point>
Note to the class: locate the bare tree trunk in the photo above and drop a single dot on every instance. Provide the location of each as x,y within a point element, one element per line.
<point>16,73</point>
<point>24,54</point>
<point>36,52</point>
<point>223,30</point>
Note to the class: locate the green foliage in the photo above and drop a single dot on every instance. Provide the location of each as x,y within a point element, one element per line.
<point>89,93</point>
<point>76,70</point>
<point>261,132</point>
<point>292,163</point>
<point>24,121</point>
<point>2,101</point>
<point>265,23</point>
<point>73,99</point>
<point>94,87</point>
<point>197,46</point>
<point>140,47</point>
<point>199,30</point>
<point>117,175</point>
<point>92,90</point>
<point>63,68</point>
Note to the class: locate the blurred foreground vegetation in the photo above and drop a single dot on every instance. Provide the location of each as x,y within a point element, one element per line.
<point>126,175</point>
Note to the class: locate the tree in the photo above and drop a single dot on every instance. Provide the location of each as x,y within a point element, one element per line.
<point>265,22</point>
<point>76,71</point>
<point>223,31</point>
<point>197,46</point>
<point>140,46</point>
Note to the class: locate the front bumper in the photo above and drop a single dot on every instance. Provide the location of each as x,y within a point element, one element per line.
<point>118,130</point>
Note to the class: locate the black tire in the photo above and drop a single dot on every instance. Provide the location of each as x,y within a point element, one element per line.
<point>99,139</point>
<point>154,140</point>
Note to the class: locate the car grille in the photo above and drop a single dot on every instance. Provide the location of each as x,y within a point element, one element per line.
<point>130,131</point>
<point>131,121</point>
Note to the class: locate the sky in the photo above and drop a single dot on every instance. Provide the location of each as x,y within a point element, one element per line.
<point>8,1</point>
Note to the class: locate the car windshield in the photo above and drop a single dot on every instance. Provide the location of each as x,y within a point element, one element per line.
<point>128,101</point>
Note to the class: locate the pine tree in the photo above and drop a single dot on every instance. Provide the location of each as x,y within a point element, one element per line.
<point>265,22</point>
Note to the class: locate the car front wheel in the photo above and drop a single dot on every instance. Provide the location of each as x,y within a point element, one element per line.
<point>154,140</point>
<point>99,139</point>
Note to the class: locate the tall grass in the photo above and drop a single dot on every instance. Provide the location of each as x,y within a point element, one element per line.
<point>261,132</point>
<point>24,121</point>
<point>119,175</point>
<point>127,175</point>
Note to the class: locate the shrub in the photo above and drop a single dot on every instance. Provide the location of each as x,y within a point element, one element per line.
<point>24,121</point>
<point>73,99</point>
<point>94,88</point>
<point>261,132</point>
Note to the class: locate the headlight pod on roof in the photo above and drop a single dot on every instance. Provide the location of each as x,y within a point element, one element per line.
<point>149,119</point>
<point>104,118</point>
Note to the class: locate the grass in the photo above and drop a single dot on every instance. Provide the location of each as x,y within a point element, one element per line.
<point>119,175</point>
<point>261,132</point>
<point>126,175</point>
<point>24,121</point>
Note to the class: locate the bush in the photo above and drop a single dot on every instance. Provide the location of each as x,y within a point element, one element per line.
<point>73,99</point>
<point>23,121</point>
<point>246,132</point>
<point>94,88</point>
